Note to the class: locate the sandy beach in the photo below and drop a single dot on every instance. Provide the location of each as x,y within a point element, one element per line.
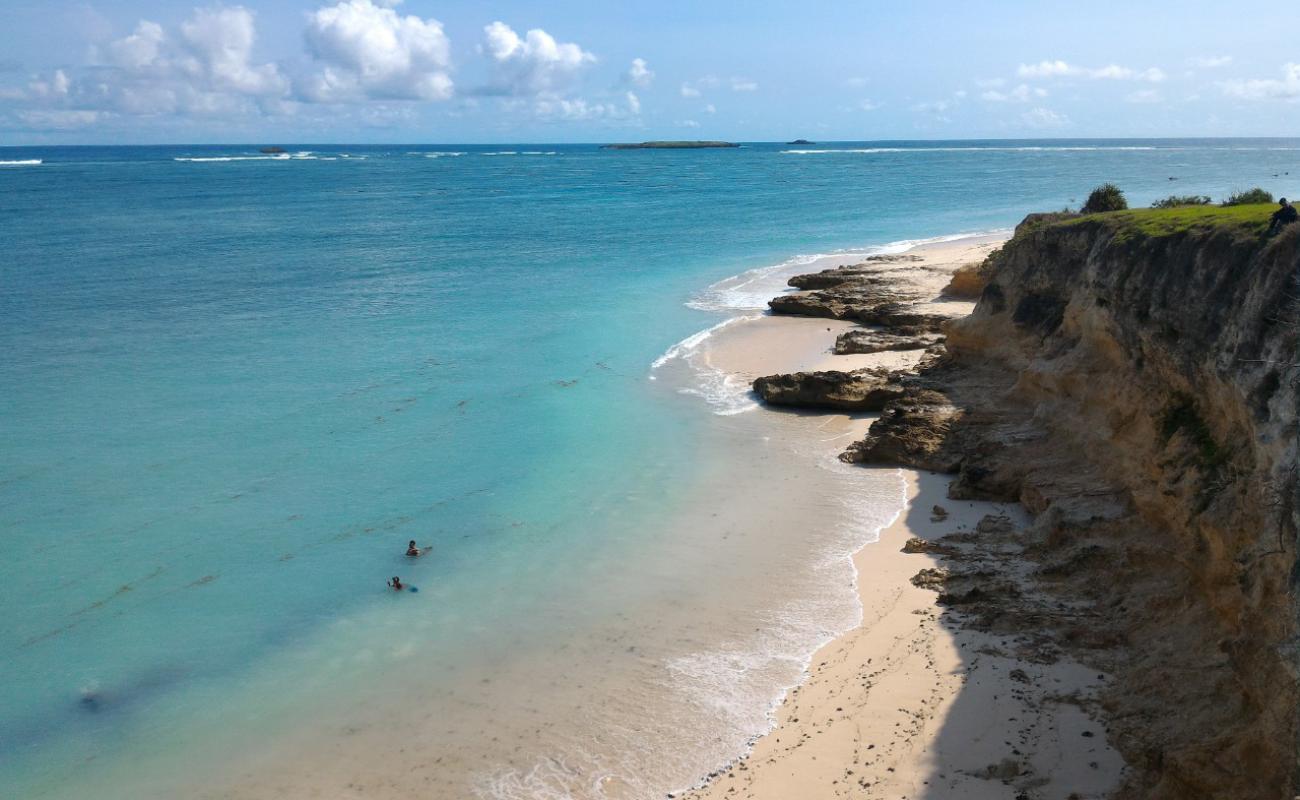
<point>911,704</point>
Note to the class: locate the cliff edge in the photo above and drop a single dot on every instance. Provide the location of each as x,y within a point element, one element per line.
<point>1133,379</point>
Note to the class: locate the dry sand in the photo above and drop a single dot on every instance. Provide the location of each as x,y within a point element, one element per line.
<point>910,704</point>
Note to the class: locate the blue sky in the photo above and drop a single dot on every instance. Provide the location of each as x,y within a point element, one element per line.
<point>131,71</point>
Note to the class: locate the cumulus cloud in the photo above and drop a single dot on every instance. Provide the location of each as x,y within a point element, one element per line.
<point>58,119</point>
<point>365,51</point>
<point>1144,97</point>
<point>1285,88</point>
<point>1044,118</point>
<point>736,84</point>
<point>578,109</point>
<point>639,74</point>
<point>1020,94</point>
<point>1063,69</point>
<point>139,50</point>
<point>219,42</point>
<point>532,64</point>
<point>205,66</point>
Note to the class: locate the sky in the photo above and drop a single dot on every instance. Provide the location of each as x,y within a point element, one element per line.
<point>495,71</point>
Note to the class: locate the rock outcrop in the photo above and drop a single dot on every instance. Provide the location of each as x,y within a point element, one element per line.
<point>879,341</point>
<point>1133,380</point>
<point>859,390</point>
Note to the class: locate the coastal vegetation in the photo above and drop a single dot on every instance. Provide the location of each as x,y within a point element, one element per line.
<point>1176,200</point>
<point>1107,197</point>
<point>1167,221</point>
<point>1249,197</point>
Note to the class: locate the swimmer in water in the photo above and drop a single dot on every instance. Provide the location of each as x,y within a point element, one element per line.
<point>396,583</point>
<point>412,550</point>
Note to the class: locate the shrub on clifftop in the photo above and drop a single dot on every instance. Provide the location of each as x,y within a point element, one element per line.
<point>1107,197</point>
<point>1178,201</point>
<point>1250,197</point>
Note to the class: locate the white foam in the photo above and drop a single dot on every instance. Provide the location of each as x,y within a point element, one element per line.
<point>442,154</point>
<point>502,153</point>
<point>725,393</point>
<point>730,679</point>
<point>751,290</point>
<point>206,159</point>
<point>27,162</point>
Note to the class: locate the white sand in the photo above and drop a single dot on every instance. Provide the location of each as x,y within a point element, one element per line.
<point>907,705</point>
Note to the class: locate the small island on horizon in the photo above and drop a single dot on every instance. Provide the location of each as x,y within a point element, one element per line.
<point>666,145</point>
<point>801,141</point>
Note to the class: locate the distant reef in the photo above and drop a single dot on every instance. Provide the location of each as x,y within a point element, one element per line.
<point>801,141</point>
<point>667,145</point>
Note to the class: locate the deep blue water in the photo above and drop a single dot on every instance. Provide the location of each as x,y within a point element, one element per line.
<point>231,390</point>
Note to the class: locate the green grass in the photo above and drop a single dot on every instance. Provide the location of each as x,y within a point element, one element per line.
<point>1158,222</point>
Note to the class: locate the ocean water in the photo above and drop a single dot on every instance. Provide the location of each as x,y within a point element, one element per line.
<point>232,386</point>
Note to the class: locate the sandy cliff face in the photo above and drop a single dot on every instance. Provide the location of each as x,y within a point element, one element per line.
<point>1138,391</point>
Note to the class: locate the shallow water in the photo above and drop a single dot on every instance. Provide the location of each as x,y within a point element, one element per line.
<point>232,387</point>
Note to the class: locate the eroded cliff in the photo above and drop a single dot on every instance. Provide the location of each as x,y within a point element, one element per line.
<point>1132,379</point>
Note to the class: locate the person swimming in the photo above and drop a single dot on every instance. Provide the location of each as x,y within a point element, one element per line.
<point>412,550</point>
<point>396,583</point>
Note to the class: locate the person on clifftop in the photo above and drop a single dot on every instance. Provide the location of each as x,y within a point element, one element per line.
<point>1282,217</point>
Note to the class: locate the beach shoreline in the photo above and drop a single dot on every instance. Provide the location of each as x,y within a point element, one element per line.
<point>908,703</point>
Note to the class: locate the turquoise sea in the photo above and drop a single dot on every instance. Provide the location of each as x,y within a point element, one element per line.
<point>233,386</point>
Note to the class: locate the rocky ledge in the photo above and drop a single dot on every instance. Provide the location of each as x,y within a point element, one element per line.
<point>886,293</point>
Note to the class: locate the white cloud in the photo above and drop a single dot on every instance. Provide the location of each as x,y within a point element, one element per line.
<point>220,44</point>
<point>990,83</point>
<point>1062,69</point>
<point>1045,69</point>
<point>710,109</point>
<point>59,120</point>
<point>1144,97</point>
<point>369,51</point>
<point>1044,118</point>
<point>1021,94</point>
<point>140,49</point>
<point>1287,88</point>
<point>205,67</point>
<point>533,64</point>
<point>696,88</point>
<point>56,86</point>
<point>868,105</point>
<point>639,74</point>
<point>688,123</point>
<point>550,106</point>
<point>1210,62</point>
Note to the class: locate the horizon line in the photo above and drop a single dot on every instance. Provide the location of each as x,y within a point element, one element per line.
<point>597,143</point>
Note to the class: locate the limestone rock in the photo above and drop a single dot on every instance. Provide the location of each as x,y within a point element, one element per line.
<point>859,390</point>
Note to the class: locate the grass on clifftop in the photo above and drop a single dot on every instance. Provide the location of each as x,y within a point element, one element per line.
<point>1158,222</point>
